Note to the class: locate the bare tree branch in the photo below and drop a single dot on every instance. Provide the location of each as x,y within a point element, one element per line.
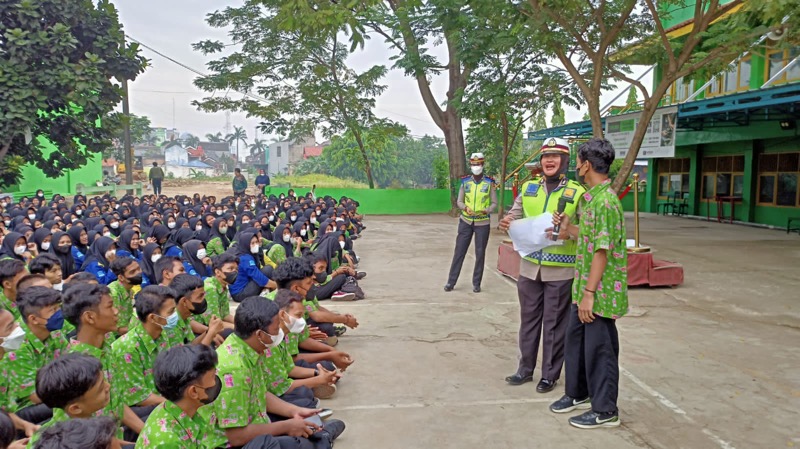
<point>662,34</point>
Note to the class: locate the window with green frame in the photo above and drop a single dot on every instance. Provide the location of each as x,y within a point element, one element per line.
<point>778,175</point>
<point>777,59</point>
<point>722,176</point>
<point>673,176</point>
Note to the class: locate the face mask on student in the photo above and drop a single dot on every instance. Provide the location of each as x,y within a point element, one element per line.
<point>341,245</point>
<point>230,278</point>
<point>171,225</point>
<point>172,321</point>
<point>136,279</point>
<point>296,325</point>
<point>115,225</point>
<point>213,392</point>
<point>20,250</point>
<point>199,308</point>
<point>271,218</point>
<point>303,232</point>
<point>32,216</point>
<point>254,249</point>
<point>201,253</point>
<point>219,212</point>
<point>293,217</point>
<point>154,258</point>
<point>276,339</point>
<point>314,220</point>
<point>320,277</point>
<point>79,212</point>
<point>106,234</point>
<point>110,253</point>
<point>55,322</point>
<point>14,340</point>
<point>223,230</point>
<point>287,237</point>
<point>198,228</point>
<point>244,222</point>
<point>45,246</point>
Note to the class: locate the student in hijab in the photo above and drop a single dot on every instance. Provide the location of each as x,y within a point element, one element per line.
<point>102,252</point>
<point>42,237</point>
<point>61,247</point>
<point>252,278</point>
<point>160,234</point>
<point>80,245</point>
<point>176,241</point>
<point>128,245</point>
<point>218,242</point>
<point>15,246</point>
<point>150,255</point>
<point>283,237</point>
<point>195,259</point>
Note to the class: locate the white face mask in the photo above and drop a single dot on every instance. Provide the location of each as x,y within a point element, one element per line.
<point>223,230</point>
<point>341,245</point>
<point>106,234</point>
<point>219,212</point>
<point>171,225</point>
<point>7,222</point>
<point>74,220</point>
<point>303,232</point>
<point>476,169</point>
<point>154,258</point>
<point>32,216</point>
<point>20,250</point>
<point>59,286</point>
<point>110,253</point>
<point>314,220</point>
<point>116,207</point>
<point>254,248</point>
<point>340,219</point>
<point>185,203</point>
<point>201,253</point>
<point>293,218</point>
<point>14,340</point>
<point>276,339</point>
<point>115,225</point>
<point>244,222</point>
<point>79,212</point>
<point>286,238</point>
<point>296,325</point>
<point>198,228</point>
<point>45,246</point>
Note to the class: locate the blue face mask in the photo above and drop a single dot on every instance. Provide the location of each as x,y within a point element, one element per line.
<point>172,321</point>
<point>55,322</point>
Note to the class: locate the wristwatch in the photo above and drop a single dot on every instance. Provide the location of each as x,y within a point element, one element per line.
<point>316,372</point>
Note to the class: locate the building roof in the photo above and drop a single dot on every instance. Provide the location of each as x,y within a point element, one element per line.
<point>312,152</point>
<point>215,146</point>
<point>195,152</point>
<point>195,164</point>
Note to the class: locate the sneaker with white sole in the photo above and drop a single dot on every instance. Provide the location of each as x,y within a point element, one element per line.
<point>593,420</point>
<point>567,404</point>
<point>342,296</point>
<point>325,413</point>
<point>332,341</point>
<point>324,391</point>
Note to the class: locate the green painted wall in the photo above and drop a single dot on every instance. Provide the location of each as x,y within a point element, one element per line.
<point>33,179</point>
<point>679,13</point>
<point>388,201</point>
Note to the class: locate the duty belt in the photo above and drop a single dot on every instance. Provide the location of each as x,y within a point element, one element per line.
<point>549,257</point>
<point>475,217</point>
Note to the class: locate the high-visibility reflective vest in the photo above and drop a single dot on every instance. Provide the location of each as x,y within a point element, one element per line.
<point>477,196</point>
<point>536,201</point>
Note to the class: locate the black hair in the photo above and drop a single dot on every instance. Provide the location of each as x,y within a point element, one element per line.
<point>292,270</point>
<point>34,299</point>
<point>285,297</point>
<point>253,314</point>
<point>94,433</point>
<point>151,299</point>
<point>599,152</point>
<point>184,284</point>
<point>10,268</point>
<point>79,278</point>
<point>27,281</point>
<point>7,431</point>
<point>318,257</point>
<point>176,369</point>
<point>81,298</point>
<point>163,264</point>
<point>220,260</point>
<point>43,262</point>
<point>120,264</point>
<point>67,378</point>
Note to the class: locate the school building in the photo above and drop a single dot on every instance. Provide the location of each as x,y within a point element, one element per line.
<point>737,143</point>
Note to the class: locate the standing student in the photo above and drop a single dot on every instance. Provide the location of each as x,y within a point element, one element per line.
<point>599,294</point>
<point>156,176</point>
<point>239,183</point>
<point>262,182</point>
<point>477,199</point>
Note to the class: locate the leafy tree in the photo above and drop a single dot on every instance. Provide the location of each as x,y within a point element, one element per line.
<point>215,137</point>
<point>559,117</point>
<point>238,135</point>
<point>191,141</point>
<point>57,62</point>
<point>596,41</point>
<point>139,128</point>
<point>632,102</point>
<point>258,146</point>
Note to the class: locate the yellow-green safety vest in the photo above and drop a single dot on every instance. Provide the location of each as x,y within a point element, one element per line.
<point>536,201</point>
<point>477,196</point>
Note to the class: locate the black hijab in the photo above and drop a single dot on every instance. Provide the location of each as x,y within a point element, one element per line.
<point>65,257</point>
<point>148,267</point>
<point>75,234</point>
<point>190,249</point>
<point>7,248</point>
<point>98,252</point>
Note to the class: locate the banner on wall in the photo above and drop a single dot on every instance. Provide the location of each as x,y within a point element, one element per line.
<point>659,141</point>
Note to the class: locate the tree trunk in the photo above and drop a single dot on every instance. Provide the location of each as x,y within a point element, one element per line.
<point>503,166</point>
<point>454,140</point>
<point>367,166</point>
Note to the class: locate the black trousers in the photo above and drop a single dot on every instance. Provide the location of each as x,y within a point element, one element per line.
<point>325,291</point>
<point>36,414</point>
<point>592,367</point>
<point>143,412</point>
<point>328,328</point>
<point>463,238</point>
<point>327,364</point>
<point>252,288</point>
<point>300,396</point>
<point>544,312</point>
<point>156,185</point>
<point>283,442</point>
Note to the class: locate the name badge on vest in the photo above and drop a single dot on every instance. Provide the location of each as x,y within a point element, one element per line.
<point>532,189</point>
<point>467,187</point>
<point>485,187</point>
<point>569,193</point>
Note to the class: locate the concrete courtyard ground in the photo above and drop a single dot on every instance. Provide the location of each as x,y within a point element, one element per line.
<point>714,363</point>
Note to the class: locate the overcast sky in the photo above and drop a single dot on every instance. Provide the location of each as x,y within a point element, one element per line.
<point>171,26</point>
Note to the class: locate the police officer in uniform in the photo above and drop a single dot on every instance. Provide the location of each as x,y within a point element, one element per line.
<point>544,286</point>
<point>476,199</point>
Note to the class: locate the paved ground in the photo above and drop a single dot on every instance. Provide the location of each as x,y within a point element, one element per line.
<point>711,364</point>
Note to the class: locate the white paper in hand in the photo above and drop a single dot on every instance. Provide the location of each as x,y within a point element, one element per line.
<point>528,234</point>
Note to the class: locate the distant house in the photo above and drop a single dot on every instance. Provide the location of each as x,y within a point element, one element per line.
<point>216,154</point>
<point>312,152</point>
<point>285,155</point>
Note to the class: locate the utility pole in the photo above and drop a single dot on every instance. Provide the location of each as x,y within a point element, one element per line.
<point>126,111</point>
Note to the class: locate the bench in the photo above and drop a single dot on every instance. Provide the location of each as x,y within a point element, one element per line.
<point>137,187</point>
<point>48,194</point>
<point>789,222</point>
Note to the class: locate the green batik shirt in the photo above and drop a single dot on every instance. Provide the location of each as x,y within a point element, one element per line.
<point>9,305</point>
<point>182,334</point>
<point>279,363</point>
<point>59,415</point>
<point>602,226</point>
<point>6,398</point>
<point>135,355</point>
<point>214,247</point>
<point>293,341</point>
<point>123,301</point>
<point>218,298</point>
<point>169,427</point>
<point>26,361</point>
<point>243,399</point>
<point>116,406</point>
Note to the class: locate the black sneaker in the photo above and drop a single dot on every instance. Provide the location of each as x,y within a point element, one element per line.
<point>592,420</point>
<point>361,275</point>
<point>567,404</point>
<point>330,431</point>
<point>339,330</point>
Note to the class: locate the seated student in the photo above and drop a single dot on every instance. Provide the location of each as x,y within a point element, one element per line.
<point>218,242</point>
<point>81,278</point>
<point>296,274</point>
<point>95,433</point>
<point>40,308</point>
<point>187,377</point>
<point>50,266</point>
<point>195,260</point>
<point>39,280</point>
<point>240,411</point>
<point>101,253</point>
<point>190,300</point>
<point>11,338</point>
<point>226,269</point>
<point>166,268</point>
<point>297,337</point>
<point>91,309</point>
<point>252,278</point>
<point>135,352</point>
<point>328,286</point>
<point>11,271</point>
<point>8,433</point>
<point>129,275</point>
<point>73,386</point>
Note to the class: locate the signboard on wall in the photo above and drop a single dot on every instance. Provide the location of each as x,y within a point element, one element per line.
<point>659,141</point>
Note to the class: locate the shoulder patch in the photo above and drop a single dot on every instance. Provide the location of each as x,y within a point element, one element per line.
<point>490,179</point>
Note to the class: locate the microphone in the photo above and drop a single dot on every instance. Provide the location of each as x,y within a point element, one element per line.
<point>562,206</point>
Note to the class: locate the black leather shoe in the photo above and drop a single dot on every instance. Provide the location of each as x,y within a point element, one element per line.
<point>546,386</point>
<point>330,431</point>
<point>517,379</point>
<point>476,289</point>
<point>448,288</point>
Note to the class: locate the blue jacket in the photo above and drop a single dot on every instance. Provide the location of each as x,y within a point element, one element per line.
<point>248,271</point>
<point>190,270</point>
<point>174,251</point>
<point>262,179</point>
<point>104,275</point>
<point>79,257</point>
<point>123,253</point>
<point>145,280</point>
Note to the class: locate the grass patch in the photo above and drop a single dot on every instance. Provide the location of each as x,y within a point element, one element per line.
<point>321,181</point>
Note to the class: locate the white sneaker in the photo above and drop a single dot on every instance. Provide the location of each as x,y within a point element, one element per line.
<point>342,296</point>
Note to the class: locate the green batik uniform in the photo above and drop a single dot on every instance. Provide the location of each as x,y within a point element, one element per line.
<point>9,305</point>
<point>58,416</point>
<point>279,363</point>
<point>293,341</point>
<point>243,399</point>
<point>116,406</point>
<point>182,334</point>
<point>603,227</point>
<point>6,398</point>
<point>26,361</point>
<point>135,355</point>
<point>169,427</point>
<point>214,247</point>
<point>218,298</point>
<point>123,301</point>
